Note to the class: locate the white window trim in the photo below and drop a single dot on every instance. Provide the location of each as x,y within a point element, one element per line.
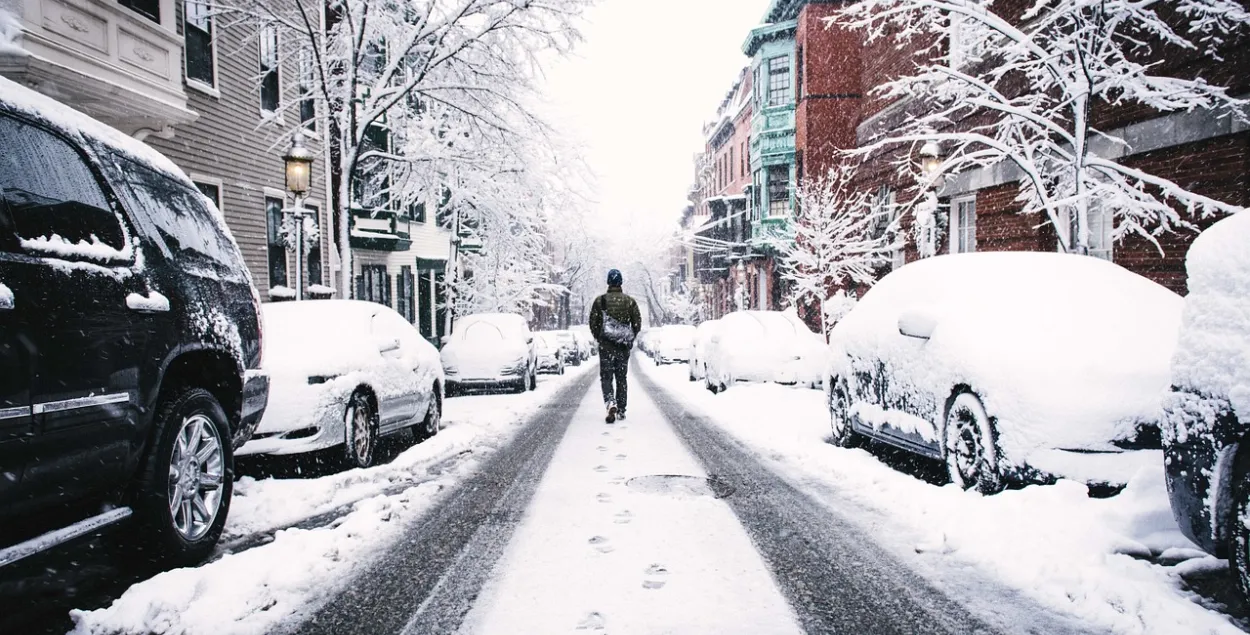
<point>195,84</point>
<point>954,229</point>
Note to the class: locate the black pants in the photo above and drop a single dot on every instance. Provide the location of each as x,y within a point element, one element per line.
<point>614,365</point>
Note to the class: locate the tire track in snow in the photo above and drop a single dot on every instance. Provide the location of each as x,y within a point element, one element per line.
<point>835,576</point>
<point>428,581</point>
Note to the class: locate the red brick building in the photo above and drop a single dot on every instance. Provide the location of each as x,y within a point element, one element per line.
<point>978,211</point>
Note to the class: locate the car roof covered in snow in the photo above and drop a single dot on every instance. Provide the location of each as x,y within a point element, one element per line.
<point>310,334</point>
<point>509,323</point>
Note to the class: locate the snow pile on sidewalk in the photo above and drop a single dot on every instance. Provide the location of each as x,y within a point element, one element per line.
<point>256,590</point>
<point>1054,543</point>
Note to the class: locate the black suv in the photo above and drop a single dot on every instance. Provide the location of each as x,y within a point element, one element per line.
<point>129,341</point>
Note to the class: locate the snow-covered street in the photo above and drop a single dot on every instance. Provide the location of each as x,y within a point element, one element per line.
<point>723,513</point>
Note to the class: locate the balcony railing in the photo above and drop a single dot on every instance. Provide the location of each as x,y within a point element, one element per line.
<point>110,61</point>
<point>379,230</point>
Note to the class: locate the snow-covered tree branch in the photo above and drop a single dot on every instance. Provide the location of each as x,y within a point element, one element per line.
<point>992,86</point>
<point>841,237</point>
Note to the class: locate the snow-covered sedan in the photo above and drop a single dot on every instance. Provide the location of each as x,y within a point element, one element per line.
<point>760,346</point>
<point>673,344</point>
<point>698,348</point>
<point>1208,413</point>
<point>549,353</point>
<point>490,351</point>
<point>1008,366</point>
<point>344,373</point>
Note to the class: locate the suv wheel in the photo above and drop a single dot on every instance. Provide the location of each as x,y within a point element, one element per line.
<point>184,490</point>
<point>433,421</point>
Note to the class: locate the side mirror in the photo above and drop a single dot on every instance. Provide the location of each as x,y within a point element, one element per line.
<point>917,324</point>
<point>387,345</point>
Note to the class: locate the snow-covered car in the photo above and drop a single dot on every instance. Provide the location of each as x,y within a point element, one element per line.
<point>673,344</point>
<point>698,348</point>
<point>1207,415</point>
<point>490,351</point>
<point>572,353</point>
<point>760,346</point>
<point>1008,366</point>
<point>376,377</point>
<point>130,340</point>
<point>583,330</point>
<point>645,339</point>
<point>549,352</point>
<point>585,344</point>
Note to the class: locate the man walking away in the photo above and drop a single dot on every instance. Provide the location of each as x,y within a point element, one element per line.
<point>615,322</point>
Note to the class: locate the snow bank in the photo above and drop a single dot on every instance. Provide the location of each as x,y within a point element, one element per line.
<point>1053,543</point>
<point>1066,351</point>
<point>265,589</point>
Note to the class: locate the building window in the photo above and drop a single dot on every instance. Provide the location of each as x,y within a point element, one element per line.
<point>1101,226</point>
<point>731,163</point>
<point>313,261</point>
<point>798,73</point>
<point>198,27</point>
<point>778,190</point>
<point>374,285</point>
<point>404,294</point>
<point>276,243</point>
<point>213,192</point>
<point>150,9</point>
<point>743,155</point>
<point>778,81</point>
<point>307,82</point>
<point>964,225</point>
<point>270,88</point>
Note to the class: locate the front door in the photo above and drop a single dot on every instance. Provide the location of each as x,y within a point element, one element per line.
<point>15,375</point>
<point>73,267</point>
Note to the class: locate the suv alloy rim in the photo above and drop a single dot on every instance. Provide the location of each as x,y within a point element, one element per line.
<point>196,471</point>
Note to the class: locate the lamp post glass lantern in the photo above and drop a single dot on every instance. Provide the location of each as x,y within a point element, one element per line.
<point>298,160</point>
<point>930,160</point>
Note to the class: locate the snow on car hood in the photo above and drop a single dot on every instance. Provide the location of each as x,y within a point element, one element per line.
<point>480,349</point>
<point>1066,351</point>
<point>1213,353</point>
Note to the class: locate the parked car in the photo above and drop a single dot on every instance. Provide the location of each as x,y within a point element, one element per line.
<point>1207,415</point>
<point>130,340</point>
<point>585,344</point>
<point>584,331</point>
<point>1008,366</point>
<point>760,346</point>
<point>673,344</point>
<point>568,343</point>
<point>490,351</point>
<point>698,348</point>
<point>377,377</point>
<point>550,353</point>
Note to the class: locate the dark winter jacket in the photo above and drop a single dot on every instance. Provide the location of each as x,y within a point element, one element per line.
<point>615,319</point>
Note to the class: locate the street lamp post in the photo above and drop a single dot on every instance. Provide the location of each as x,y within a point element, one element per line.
<point>298,160</point>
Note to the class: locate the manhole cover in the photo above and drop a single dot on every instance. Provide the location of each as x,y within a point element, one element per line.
<point>681,485</point>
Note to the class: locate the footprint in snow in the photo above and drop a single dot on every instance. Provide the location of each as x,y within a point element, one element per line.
<point>594,621</point>
<point>604,497</point>
<point>617,480</point>
<point>624,517</point>
<point>606,433</point>
<point>601,468</point>
<point>601,544</point>
<point>655,577</point>
<point>621,457</point>
<point>602,448</point>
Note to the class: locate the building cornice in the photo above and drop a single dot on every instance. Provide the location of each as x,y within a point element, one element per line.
<point>767,33</point>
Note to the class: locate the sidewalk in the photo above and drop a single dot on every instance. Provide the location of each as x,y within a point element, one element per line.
<point>593,554</point>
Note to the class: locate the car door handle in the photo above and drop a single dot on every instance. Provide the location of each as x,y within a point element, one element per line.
<point>7,301</point>
<point>153,302</point>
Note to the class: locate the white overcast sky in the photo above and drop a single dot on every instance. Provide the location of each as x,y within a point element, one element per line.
<point>636,93</point>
